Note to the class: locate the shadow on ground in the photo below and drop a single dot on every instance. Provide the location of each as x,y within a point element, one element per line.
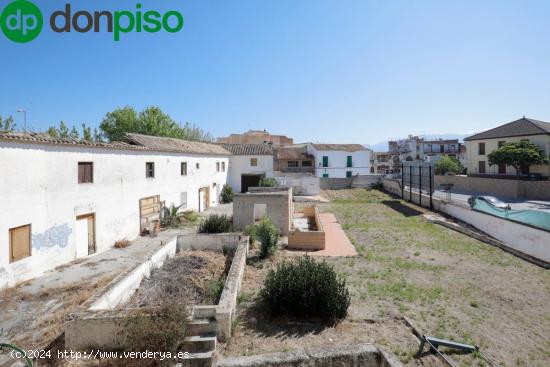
<point>406,210</point>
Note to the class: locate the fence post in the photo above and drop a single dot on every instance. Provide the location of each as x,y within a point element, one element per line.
<point>410,184</point>
<point>403,181</point>
<point>420,184</point>
<point>431,203</point>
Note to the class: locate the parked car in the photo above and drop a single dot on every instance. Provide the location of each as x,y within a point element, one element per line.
<point>491,200</point>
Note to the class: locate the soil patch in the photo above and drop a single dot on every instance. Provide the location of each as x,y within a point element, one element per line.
<point>184,278</point>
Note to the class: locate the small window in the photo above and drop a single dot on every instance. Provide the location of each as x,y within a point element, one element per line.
<point>501,143</point>
<point>293,164</point>
<point>348,174</point>
<point>253,162</point>
<point>307,164</point>
<point>150,169</point>
<point>197,166</point>
<point>325,161</point>
<point>85,172</point>
<point>481,149</point>
<point>217,166</point>
<point>184,168</point>
<point>223,166</point>
<point>325,175</point>
<point>20,243</point>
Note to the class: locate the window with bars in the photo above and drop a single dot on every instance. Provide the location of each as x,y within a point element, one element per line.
<point>183,168</point>
<point>150,169</point>
<point>85,172</point>
<point>253,162</point>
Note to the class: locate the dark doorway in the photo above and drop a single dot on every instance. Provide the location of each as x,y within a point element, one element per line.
<point>250,181</point>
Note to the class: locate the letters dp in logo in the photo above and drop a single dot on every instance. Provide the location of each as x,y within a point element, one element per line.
<point>21,21</point>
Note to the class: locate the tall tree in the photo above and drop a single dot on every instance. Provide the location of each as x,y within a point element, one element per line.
<point>53,132</point>
<point>7,124</point>
<point>74,133</point>
<point>63,130</point>
<point>87,133</point>
<point>151,121</point>
<point>518,155</point>
<point>98,138</point>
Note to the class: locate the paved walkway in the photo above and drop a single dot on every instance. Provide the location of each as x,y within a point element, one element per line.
<point>337,242</point>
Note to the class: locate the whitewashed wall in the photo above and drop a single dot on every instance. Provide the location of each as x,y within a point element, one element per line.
<point>39,186</point>
<point>337,160</point>
<point>240,164</point>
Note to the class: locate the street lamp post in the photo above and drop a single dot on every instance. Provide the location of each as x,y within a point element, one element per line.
<point>24,119</point>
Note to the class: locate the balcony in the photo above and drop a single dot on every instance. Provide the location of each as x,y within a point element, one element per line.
<point>298,169</point>
<point>438,150</point>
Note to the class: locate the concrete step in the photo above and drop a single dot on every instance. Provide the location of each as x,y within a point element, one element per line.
<point>203,312</point>
<point>200,343</point>
<point>198,360</point>
<point>201,326</point>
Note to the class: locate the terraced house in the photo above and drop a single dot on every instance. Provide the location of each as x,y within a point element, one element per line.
<point>64,199</point>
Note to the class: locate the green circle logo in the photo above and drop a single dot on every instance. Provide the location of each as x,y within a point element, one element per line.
<point>21,21</point>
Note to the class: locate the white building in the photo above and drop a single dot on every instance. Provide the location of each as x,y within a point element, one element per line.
<point>248,164</point>
<point>64,199</point>
<point>341,160</point>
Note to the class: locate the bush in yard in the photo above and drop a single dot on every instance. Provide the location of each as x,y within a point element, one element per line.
<point>268,235</point>
<point>226,195</point>
<point>172,217</point>
<point>216,224</point>
<point>268,182</point>
<point>305,288</point>
<point>156,329</point>
<point>190,216</point>
<point>252,232</point>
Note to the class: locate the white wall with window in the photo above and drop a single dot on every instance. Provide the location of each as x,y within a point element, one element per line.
<point>340,163</point>
<point>45,187</point>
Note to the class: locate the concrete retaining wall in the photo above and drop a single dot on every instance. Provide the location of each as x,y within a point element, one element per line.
<point>361,355</point>
<point>534,190</point>
<point>333,183</point>
<point>97,324</point>
<point>528,240</point>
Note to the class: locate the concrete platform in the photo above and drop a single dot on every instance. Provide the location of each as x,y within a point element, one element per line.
<point>337,242</point>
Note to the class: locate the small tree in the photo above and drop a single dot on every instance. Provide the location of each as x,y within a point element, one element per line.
<point>448,165</point>
<point>87,133</point>
<point>518,155</point>
<point>268,235</point>
<point>63,130</point>
<point>53,132</point>
<point>226,195</point>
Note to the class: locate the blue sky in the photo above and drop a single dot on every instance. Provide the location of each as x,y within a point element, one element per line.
<point>317,70</point>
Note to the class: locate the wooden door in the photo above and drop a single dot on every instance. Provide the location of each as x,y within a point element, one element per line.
<point>149,210</point>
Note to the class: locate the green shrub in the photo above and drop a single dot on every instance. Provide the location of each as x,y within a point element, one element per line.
<point>216,224</point>
<point>304,288</point>
<point>172,217</point>
<point>447,165</point>
<point>156,329</point>
<point>190,216</point>
<point>215,289</point>
<point>268,235</point>
<point>252,232</point>
<point>268,182</point>
<point>226,195</point>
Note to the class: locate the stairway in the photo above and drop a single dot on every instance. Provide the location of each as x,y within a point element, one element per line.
<point>201,340</point>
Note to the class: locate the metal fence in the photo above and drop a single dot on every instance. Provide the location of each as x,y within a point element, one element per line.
<point>417,176</point>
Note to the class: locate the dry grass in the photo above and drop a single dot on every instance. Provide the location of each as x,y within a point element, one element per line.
<point>122,243</point>
<point>48,326</point>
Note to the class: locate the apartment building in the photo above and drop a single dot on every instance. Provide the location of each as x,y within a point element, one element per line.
<point>340,160</point>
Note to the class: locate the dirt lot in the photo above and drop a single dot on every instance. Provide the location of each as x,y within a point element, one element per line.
<point>187,278</point>
<point>449,285</point>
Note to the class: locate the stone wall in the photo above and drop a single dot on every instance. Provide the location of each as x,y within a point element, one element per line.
<point>360,355</point>
<point>534,190</point>
<point>333,183</point>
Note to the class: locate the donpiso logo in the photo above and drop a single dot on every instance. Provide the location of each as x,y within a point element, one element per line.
<point>21,21</point>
